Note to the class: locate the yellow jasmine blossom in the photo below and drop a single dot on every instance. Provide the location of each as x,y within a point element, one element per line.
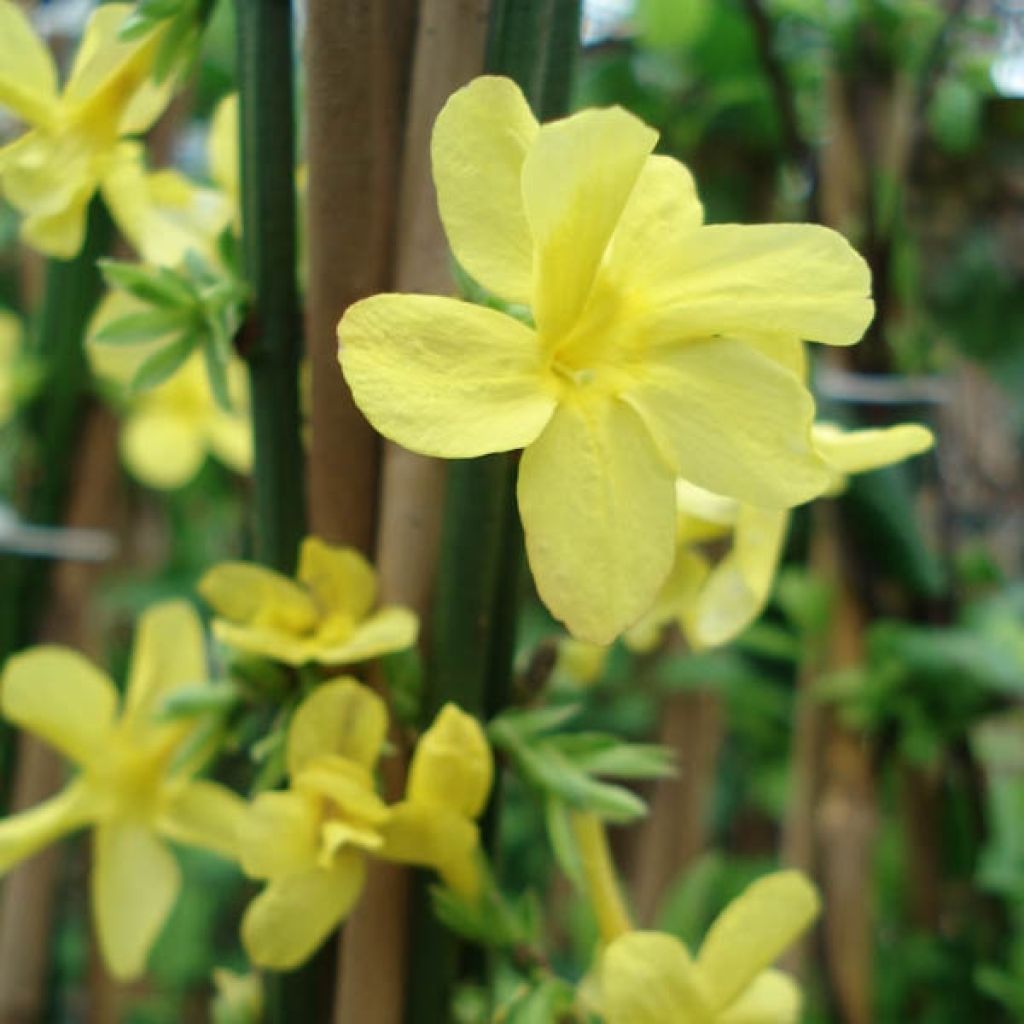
<point>651,977</point>
<point>639,362</point>
<point>324,616</point>
<point>128,789</point>
<point>310,842</point>
<point>72,148</point>
<point>168,431</point>
<point>714,601</point>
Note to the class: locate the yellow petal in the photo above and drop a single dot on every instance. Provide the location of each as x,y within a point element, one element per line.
<point>598,509</point>
<point>28,77</point>
<point>222,147</point>
<point>663,205</point>
<point>163,214</point>
<point>348,785</point>
<point>802,280</point>
<point>577,178</point>
<point>675,600</point>
<point>205,814</point>
<point>340,579</point>
<point>859,451</point>
<point>340,717</point>
<point>230,437</point>
<point>266,642</point>
<point>737,588</point>
<point>59,234</point>
<point>61,697</point>
<point>753,931</point>
<point>772,998</point>
<point>732,421</point>
<point>436,838</point>
<point>390,629</point>
<point>245,593</point>
<point>110,88</point>
<point>279,834</point>
<point>26,832</point>
<point>161,448</point>
<point>481,138</point>
<point>452,766</point>
<point>293,915</point>
<point>135,881</point>
<point>706,507</point>
<point>649,978</point>
<point>169,653</point>
<point>444,377</point>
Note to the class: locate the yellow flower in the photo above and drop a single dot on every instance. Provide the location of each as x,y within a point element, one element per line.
<point>72,147</point>
<point>323,617</point>
<point>713,602</point>
<point>651,978</point>
<point>640,362</point>
<point>128,789</point>
<point>168,431</point>
<point>310,842</point>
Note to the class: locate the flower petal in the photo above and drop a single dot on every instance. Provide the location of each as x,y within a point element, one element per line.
<point>251,594</point>
<point>753,930</point>
<point>859,451</point>
<point>799,279</point>
<point>161,448</point>
<point>279,834</point>
<point>390,629</point>
<point>663,205</point>
<point>649,978</point>
<point>341,717</point>
<point>340,579</point>
<point>169,653</point>
<point>291,917</point>
<point>135,882</point>
<point>733,421</point>
<point>598,509</point>
<point>222,146</point>
<point>28,831</point>
<point>61,697</point>
<point>772,998</point>
<point>452,766</point>
<point>28,76</point>
<point>675,600</point>
<point>737,588</point>
<point>481,138</point>
<point>577,178</point>
<point>444,377</point>
<point>205,814</point>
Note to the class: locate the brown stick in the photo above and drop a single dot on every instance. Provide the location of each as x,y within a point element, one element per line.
<point>675,832</point>
<point>28,897</point>
<point>449,52</point>
<point>356,53</point>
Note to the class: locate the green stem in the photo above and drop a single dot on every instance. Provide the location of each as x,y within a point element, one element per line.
<point>52,425</point>
<point>272,344</point>
<point>273,337</point>
<point>480,566</point>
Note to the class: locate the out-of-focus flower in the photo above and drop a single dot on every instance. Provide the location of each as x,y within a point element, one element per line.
<point>325,616</point>
<point>73,146</point>
<point>310,842</point>
<point>651,978</point>
<point>714,600</point>
<point>634,356</point>
<point>168,431</point>
<point>129,789</point>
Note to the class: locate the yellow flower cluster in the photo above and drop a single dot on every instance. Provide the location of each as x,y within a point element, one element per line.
<point>310,842</point>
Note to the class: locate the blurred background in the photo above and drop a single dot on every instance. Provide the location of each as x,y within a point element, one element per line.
<point>870,728</point>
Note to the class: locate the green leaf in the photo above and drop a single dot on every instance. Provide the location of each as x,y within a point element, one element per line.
<point>523,725</point>
<point>563,844</point>
<point>217,373</point>
<point>163,364</point>
<point>157,286</point>
<point>201,699</point>
<point>136,328</point>
<point>601,754</point>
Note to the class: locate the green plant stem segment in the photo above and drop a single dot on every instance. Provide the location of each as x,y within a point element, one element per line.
<point>52,425</point>
<point>534,42</point>
<point>271,340</point>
